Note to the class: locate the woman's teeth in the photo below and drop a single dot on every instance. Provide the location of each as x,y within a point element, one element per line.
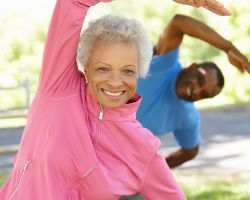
<point>115,94</point>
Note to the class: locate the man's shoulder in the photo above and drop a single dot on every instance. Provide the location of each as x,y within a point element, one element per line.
<point>168,57</point>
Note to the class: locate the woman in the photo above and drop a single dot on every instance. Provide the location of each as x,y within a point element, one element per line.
<point>82,141</point>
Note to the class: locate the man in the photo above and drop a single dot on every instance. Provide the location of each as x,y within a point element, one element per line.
<point>169,91</point>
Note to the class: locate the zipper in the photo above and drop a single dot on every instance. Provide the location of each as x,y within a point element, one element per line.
<point>96,138</point>
<point>21,179</point>
<point>99,124</point>
<point>101,112</point>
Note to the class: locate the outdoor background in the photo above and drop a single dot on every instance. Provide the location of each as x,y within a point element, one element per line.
<point>23,27</point>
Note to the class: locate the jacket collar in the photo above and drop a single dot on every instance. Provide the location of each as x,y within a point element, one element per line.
<point>123,113</point>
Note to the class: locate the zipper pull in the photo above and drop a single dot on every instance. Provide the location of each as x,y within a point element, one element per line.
<point>101,113</point>
<point>26,164</point>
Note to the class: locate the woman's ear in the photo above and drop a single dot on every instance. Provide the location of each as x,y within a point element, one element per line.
<point>86,73</point>
<point>81,73</point>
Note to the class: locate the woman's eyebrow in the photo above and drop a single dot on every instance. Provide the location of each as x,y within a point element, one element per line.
<point>100,62</point>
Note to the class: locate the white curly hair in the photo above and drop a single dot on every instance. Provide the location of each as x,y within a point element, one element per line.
<point>114,28</point>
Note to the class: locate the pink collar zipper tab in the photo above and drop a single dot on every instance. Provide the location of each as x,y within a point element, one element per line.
<point>101,112</point>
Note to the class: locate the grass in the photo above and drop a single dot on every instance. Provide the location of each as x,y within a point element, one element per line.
<point>3,178</point>
<point>202,187</point>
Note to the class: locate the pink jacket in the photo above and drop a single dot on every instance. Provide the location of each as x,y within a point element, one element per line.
<point>71,148</point>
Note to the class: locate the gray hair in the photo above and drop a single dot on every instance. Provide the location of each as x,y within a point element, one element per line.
<point>113,28</point>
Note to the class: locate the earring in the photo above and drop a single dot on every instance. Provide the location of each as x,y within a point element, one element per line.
<point>86,79</point>
<point>83,75</point>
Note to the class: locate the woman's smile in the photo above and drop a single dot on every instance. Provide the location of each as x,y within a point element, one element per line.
<point>113,95</point>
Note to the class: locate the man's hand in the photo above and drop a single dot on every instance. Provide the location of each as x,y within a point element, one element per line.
<point>211,5</point>
<point>238,60</point>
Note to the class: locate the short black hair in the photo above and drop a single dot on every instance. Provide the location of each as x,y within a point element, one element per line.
<point>210,65</point>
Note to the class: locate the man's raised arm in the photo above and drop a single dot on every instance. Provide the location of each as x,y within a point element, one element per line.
<point>182,25</point>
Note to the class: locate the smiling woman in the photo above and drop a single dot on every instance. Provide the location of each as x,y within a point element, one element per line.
<point>114,52</point>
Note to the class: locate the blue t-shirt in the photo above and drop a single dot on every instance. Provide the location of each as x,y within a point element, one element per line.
<point>161,111</point>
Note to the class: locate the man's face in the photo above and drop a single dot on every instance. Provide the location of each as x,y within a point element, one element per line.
<point>194,83</point>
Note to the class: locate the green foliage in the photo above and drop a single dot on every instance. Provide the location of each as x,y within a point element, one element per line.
<point>16,50</point>
<point>20,59</point>
<point>23,34</point>
<point>215,189</point>
<point>12,98</point>
<point>3,178</point>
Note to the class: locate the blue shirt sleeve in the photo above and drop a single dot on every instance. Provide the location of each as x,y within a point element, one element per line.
<point>189,137</point>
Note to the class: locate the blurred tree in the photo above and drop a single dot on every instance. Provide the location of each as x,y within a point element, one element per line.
<point>20,58</point>
<point>22,35</point>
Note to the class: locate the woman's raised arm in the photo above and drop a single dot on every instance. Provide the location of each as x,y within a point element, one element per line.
<point>59,76</point>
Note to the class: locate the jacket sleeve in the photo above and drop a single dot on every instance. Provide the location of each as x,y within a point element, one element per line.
<point>159,183</point>
<point>59,75</point>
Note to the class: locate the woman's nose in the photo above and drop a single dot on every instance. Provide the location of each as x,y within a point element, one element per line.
<point>115,80</point>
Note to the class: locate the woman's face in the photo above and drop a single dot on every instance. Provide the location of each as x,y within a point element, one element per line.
<point>112,73</point>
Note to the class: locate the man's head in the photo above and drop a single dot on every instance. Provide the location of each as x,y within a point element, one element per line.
<point>199,81</point>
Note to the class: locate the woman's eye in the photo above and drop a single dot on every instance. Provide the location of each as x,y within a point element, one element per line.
<point>102,69</point>
<point>129,71</point>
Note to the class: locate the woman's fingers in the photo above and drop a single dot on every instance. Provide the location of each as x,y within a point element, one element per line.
<point>187,2</point>
<point>212,5</point>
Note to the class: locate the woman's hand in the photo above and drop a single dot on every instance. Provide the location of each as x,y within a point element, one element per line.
<point>211,5</point>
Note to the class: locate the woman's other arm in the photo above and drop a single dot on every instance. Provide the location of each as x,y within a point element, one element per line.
<point>159,183</point>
